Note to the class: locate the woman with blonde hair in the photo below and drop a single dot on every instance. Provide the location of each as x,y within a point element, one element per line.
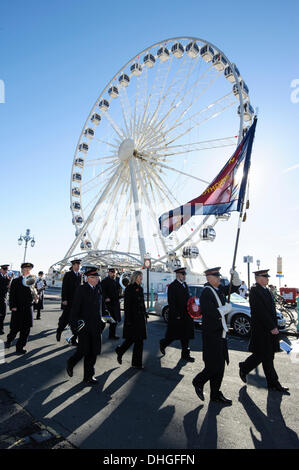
<point>134,330</point>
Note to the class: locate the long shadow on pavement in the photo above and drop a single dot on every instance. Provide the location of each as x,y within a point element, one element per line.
<point>271,426</point>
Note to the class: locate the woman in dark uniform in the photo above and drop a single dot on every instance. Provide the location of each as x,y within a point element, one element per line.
<point>134,330</point>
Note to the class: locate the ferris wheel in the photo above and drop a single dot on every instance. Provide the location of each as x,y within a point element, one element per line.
<point>154,139</point>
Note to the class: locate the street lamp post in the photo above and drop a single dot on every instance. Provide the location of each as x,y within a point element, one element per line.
<point>27,238</point>
<point>147,265</point>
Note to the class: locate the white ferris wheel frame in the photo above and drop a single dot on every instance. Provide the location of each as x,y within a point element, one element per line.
<point>134,167</point>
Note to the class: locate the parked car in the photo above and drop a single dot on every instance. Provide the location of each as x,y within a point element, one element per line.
<point>238,320</point>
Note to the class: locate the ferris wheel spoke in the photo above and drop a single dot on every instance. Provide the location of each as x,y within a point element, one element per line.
<point>126,110</point>
<point>186,76</point>
<point>212,76</point>
<point>104,217</point>
<point>122,206</point>
<point>84,228</point>
<point>99,175</point>
<point>119,226</point>
<point>120,132</point>
<point>163,86</point>
<point>212,115</point>
<point>149,207</point>
<point>101,141</point>
<point>173,83</point>
<point>162,165</point>
<point>161,186</point>
<point>203,145</point>
<point>175,105</point>
<point>180,122</point>
<point>96,161</point>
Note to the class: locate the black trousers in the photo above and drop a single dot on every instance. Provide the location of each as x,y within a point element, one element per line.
<point>64,320</point>
<point>214,374</point>
<point>38,313</point>
<point>137,350</point>
<point>268,365</point>
<point>2,313</point>
<point>24,333</point>
<point>112,330</point>
<point>184,343</point>
<point>89,361</point>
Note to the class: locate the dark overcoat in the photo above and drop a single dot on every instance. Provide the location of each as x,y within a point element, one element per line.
<point>111,290</point>
<point>20,297</point>
<point>263,320</point>
<point>87,306</point>
<point>70,283</point>
<point>214,346</point>
<point>180,324</point>
<point>135,313</point>
<point>4,283</point>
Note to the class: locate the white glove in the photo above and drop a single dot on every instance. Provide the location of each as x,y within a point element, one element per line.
<point>224,310</point>
<point>236,281</point>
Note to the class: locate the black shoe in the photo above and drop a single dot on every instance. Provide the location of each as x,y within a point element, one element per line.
<point>119,356</point>
<point>91,381</point>
<point>37,318</point>
<point>162,348</point>
<point>7,344</point>
<point>113,337</point>
<point>188,358</point>
<point>199,391</point>
<point>137,367</point>
<point>58,335</point>
<point>220,398</point>
<point>242,374</point>
<point>69,369</point>
<point>21,351</point>
<point>279,388</point>
<point>74,342</point>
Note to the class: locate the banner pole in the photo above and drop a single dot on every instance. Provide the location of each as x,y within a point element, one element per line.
<point>238,231</point>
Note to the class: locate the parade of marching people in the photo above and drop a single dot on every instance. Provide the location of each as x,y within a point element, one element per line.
<point>90,304</point>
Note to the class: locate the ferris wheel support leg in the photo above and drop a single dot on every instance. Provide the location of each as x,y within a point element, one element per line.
<point>137,210</point>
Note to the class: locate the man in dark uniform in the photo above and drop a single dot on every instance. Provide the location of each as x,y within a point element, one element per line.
<point>40,285</point>
<point>264,341</point>
<point>4,284</point>
<point>111,292</point>
<point>215,352</point>
<point>71,280</point>
<point>87,306</point>
<point>21,306</point>
<point>180,324</point>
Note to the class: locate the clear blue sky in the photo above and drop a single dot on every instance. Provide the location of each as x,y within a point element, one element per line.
<point>57,56</point>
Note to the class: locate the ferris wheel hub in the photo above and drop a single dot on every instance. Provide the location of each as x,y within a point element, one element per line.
<point>126,150</point>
